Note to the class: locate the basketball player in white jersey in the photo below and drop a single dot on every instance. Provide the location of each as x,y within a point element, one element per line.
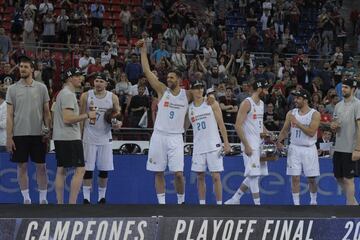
<point>206,121</point>
<point>302,153</point>
<point>249,126</point>
<point>166,143</point>
<point>97,138</point>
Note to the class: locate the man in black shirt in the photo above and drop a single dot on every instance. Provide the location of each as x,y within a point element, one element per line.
<point>8,77</point>
<point>138,105</point>
<point>228,106</point>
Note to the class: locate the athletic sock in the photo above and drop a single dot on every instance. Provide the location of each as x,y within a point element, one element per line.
<point>296,198</point>
<point>86,192</point>
<point>219,202</point>
<point>181,198</point>
<point>202,202</point>
<point>26,195</point>
<point>42,195</point>
<point>313,197</point>
<point>161,198</point>
<point>257,201</point>
<point>102,193</point>
<point>239,193</point>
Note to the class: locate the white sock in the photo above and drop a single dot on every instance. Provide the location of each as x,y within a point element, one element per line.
<point>42,195</point>
<point>25,194</point>
<point>161,198</point>
<point>257,201</point>
<point>86,192</point>
<point>181,198</point>
<point>313,197</point>
<point>238,194</point>
<point>296,198</point>
<point>202,202</point>
<point>102,192</point>
<point>219,202</point>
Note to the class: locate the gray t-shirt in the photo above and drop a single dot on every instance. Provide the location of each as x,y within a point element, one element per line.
<point>28,103</point>
<point>66,99</point>
<point>347,114</point>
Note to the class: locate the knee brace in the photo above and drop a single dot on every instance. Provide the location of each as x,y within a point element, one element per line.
<point>103,174</point>
<point>88,175</point>
<point>254,184</point>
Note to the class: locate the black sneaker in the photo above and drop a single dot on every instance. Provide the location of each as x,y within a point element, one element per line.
<point>102,201</point>
<point>86,201</point>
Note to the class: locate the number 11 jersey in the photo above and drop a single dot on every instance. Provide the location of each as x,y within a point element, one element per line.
<point>298,137</point>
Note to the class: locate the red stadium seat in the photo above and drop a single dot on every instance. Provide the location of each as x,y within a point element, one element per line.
<point>116,9</point>
<point>107,15</point>
<point>9,9</point>
<point>7,26</point>
<point>122,41</point>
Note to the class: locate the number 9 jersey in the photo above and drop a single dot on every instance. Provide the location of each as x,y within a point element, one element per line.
<point>171,112</point>
<point>205,128</point>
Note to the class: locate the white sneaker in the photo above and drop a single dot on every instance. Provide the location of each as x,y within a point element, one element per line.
<point>44,202</point>
<point>27,201</point>
<point>232,201</point>
<point>313,203</point>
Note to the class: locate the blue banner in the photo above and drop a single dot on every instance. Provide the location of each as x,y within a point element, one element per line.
<point>131,183</point>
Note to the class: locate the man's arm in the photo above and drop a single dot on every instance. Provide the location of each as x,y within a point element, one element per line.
<point>285,130</point>
<point>83,104</point>
<point>3,117</point>
<point>245,107</point>
<point>116,104</point>
<point>220,122</point>
<point>158,86</point>
<point>312,129</point>
<point>9,128</point>
<point>47,115</point>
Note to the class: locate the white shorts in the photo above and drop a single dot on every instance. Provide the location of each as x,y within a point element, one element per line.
<point>166,150</point>
<point>302,158</point>
<point>213,160</point>
<point>102,155</point>
<point>253,166</point>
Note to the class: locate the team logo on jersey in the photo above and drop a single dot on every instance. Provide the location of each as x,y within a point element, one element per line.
<point>193,119</point>
<point>166,104</point>
<point>254,116</point>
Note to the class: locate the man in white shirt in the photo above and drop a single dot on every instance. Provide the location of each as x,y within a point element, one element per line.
<point>2,121</point>
<point>85,61</point>
<point>45,7</point>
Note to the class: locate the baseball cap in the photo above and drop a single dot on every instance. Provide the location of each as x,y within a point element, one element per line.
<point>351,82</point>
<point>197,84</point>
<point>260,83</point>
<point>301,93</point>
<point>72,72</point>
<point>101,76</point>
<point>210,90</point>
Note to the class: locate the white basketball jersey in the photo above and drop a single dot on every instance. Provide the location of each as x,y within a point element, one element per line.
<point>298,137</point>
<point>100,132</point>
<point>171,112</point>
<point>205,129</point>
<point>253,124</point>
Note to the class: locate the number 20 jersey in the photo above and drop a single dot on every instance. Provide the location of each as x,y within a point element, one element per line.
<point>298,137</point>
<point>205,129</point>
<point>171,112</point>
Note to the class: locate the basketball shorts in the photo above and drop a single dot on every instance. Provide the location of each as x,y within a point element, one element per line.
<point>211,160</point>
<point>99,155</point>
<point>302,159</point>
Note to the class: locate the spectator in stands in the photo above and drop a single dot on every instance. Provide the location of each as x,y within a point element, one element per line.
<point>8,77</point>
<point>237,42</point>
<point>45,7</point>
<point>114,44</point>
<point>327,25</point>
<point>327,76</point>
<point>86,60</point>
<point>326,137</point>
<point>228,106</point>
<point>137,106</point>
<point>341,35</point>
<point>213,76</point>
<point>210,54</point>
<point>287,41</point>
<point>5,45</point>
<point>95,39</point>
<point>245,92</point>
<point>97,14</point>
<point>178,59</point>
<point>62,22</point>
<point>251,18</point>
<point>49,67</point>
<point>337,66</point>
<point>191,42</point>
<point>271,119</point>
<point>160,54</point>
<point>278,100</point>
<point>253,40</point>
<point>162,68</point>
<point>331,106</point>
<point>105,55</point>
<point>93,69</point>
<point>304,72</point>
<point>38,72</point>
<point>106,32</point>
<point>125,18</point>
<point>286,68</point>
<point>133,69</point>
<point>30,8</point>
<point>3,108</point>
<point>325,117</point>
<point>28,36</point>
<point>134,89</point>
<point>148,41</point>
<point>122,89</point>
<point>157,19</point>
<point>17,24</point>
<point>349,69</point>
<point>49,27</point>
<point>112,67</point>
<point>172,36</point>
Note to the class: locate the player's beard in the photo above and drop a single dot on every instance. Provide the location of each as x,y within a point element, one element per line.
<point>25,75</point>
<point>171,85</point>
<point>346,95</point>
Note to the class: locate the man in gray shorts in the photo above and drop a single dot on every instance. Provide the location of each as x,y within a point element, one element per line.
<point>346,123</point>
<point>67,136</point>
<point>27,113</point>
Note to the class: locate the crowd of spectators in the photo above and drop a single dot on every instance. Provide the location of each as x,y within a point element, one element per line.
<point>199,40</point>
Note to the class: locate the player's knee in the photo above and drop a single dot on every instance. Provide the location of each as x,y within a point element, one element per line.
<point>216,178</point>
<point>103,174</point>
<point>88,175</point>
<point>312,180</point>
<point>179,176</point>
<point>201,177</point>
<point>254,184</point>
<point>22,167</point>
<point>80,172</point>
<point>295,180</point>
